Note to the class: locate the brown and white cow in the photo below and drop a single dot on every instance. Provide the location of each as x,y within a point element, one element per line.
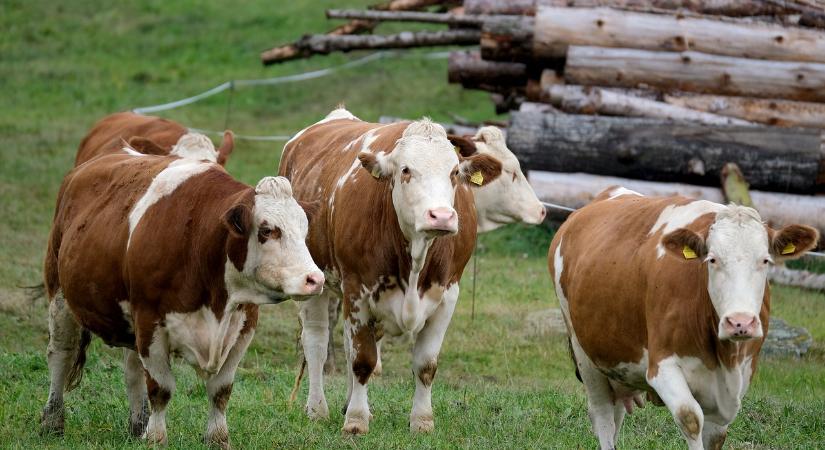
<point>505,200</point>
<point>149,135</point>
<point>164,255</point>
<point>396,227</point>
<point>669,296</point>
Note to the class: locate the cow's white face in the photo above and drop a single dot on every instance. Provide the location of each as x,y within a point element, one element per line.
<point>424,170</point>
<point>276,228</point>
<point>510,198</point>
<point>738,253</point>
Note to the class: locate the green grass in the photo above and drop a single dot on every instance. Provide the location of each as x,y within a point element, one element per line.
<point>67,64</point>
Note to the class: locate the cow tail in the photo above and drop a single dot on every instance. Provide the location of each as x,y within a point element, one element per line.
<point>294,394</point>
<point>573,357</point>
<point>75,374</point>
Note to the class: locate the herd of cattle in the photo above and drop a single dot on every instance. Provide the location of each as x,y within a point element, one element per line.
<point>155,248</point>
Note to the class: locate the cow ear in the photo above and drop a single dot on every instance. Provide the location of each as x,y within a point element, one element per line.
<point>792,241</point>
<point>227,146</point>
<point>685,244</point>
<point>463,145</point>
<point>377,167</point>
<point>147,146</point>
<point>238,220</point>
<point>479,169</point>
<point>310,209</point>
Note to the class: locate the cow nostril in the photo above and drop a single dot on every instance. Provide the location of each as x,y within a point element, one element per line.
<point>311,281</point>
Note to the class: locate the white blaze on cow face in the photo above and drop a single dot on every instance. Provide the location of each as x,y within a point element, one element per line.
<point>509,198</point>
<point>277,255</point>
<point>423,168</point>
<point>738,258</point>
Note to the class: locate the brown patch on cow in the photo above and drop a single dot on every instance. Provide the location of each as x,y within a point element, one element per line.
<point>226,147</point>
<point>406,175</point>
<point>717,441</point>
<point>158,395</point>
<point>366,353</point>
<point>689,422</point>
<point>310,209</point>
<point>266,232</point>
<point>427,373</point>
<point>221,398</point>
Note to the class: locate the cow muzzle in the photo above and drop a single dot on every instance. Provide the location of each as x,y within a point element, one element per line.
<point>440,221</point>
<point>740,327</point>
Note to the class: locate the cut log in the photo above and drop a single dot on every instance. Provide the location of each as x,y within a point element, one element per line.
<point>578,189</point>
<point>324,44</point>
<point>775,159</point>
<point>508,39</point>
<point>716,7</point>
<point>783,113</point>
<point>464,20</point>
<point>595,100</point>
<point>695,72</point>
<point>292,51</point>
<point>558,28</point>
<point>468,69</point>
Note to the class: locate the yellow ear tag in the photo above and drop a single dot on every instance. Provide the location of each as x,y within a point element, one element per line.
<point>477,178</point>
<point>790,248</point>
<point>376,172</point>
<point>689,253</point>
<point>457,150</point>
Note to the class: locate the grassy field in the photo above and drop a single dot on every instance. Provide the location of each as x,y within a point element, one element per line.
<point>67,64</point>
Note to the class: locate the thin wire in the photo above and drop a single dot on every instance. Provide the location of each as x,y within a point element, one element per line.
<point>475,276</point>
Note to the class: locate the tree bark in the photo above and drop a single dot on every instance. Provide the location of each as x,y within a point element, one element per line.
<point>558,28</point>
<point>695,72</point>
<point>783,113</point>
<point>595,100</point>
<point>735,8</point>
<point>468,69</point>
<point>776,159</point>
<point>508,39</point>
<point>578,189</point>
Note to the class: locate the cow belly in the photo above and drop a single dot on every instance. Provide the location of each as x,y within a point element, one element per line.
<point>387,309</point>
<point>202,339</point>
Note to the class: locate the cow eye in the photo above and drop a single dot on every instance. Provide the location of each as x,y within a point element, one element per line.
<point>766,261</point>
<point>405,170</point>
<point>267,233</point>
<point>712,260</point>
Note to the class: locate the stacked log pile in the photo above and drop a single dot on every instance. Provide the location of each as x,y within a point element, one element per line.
<point>663,91</point>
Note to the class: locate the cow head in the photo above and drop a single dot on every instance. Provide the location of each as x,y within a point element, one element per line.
<point>509,198</point>
<point>272,231</point>
<point>424,170</point>
<point>738,251</point>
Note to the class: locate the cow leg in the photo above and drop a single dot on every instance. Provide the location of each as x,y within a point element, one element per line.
<point>379,368</point>
<point>618,418</point>
<point>160,383</point>
<point>359,335</point>
<point>62,351</point>
<point>334,309</point>
<point>219,388</point>
<point>601,405</point>
<point>135,392</point>
<point>714,435</point>
<point>425,360</point>
<point>673,389</point>
<point>315,340</point>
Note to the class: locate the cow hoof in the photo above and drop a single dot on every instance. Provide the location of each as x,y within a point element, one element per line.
<point>422,424</point>
<point>357,424</point>
<point>51,422</point>
<point>318,412</point>
<point>156,438</point>
<point>219,439</point>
